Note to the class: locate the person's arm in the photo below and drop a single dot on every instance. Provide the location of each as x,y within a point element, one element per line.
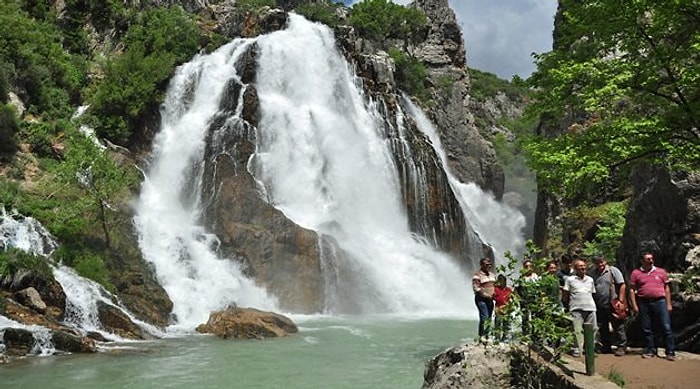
<point>476,284</point>
<point>667,291</point>
<point>622,293</point>
<point>633,298</point>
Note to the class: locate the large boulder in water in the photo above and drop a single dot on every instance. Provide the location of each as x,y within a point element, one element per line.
<point>247,323</point>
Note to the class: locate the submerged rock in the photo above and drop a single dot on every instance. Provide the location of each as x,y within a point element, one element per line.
<point>247,323</point>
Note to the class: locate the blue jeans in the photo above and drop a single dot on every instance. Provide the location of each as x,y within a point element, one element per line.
<point>649,309</point>
<point>485,307</point>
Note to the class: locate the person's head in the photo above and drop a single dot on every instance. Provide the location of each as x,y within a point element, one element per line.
<point>647,260</point>
<point>552,267</point>
<point>600,262</point>
<point>486,264</point>
<point>528,267</point>
<point>501,281</point>
<point>580,267</point>
<point>566,261</point>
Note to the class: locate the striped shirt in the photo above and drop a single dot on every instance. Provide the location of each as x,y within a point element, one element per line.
<point>649,284</point>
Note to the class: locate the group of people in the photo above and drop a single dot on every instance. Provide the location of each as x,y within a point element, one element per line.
<point>597,296</point>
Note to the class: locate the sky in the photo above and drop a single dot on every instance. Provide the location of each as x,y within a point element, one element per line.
<point>501,35</point>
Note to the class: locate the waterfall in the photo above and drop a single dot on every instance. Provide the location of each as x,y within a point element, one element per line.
<point>326,163</point>
<point>82,295</point>
<point>169,207</point>
<point>496,223</point>
<point>321,158</point>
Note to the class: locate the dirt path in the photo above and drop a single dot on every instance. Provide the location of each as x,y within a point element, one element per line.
<point>656,373</point>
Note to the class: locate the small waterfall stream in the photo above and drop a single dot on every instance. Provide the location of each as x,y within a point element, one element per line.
<point>82,295</point>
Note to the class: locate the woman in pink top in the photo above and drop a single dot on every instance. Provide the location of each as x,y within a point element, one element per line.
<point>651,299</point>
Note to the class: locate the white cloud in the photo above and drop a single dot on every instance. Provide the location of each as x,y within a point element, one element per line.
<point>501,35</point>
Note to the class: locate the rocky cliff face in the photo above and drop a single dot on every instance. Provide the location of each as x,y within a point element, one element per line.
<point>285,257</point>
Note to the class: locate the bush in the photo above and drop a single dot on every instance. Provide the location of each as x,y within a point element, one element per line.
<point>382,19</point>
<point>322,13</point>
<point>13,260</point>
<point>158,41</point>
<point>93,267</point>
<point>9,125</point>
<point>254,5</point>
<point>410,74</point>
<point>33,59</point>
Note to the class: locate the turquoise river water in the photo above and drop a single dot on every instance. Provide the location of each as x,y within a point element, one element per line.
<point>328,352</point>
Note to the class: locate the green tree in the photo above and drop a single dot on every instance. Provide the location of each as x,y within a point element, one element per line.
<point>34,62</point>
<point>90,166</point>
<point>625,77</point>
<point>382,19</point>
<point>158,41</point>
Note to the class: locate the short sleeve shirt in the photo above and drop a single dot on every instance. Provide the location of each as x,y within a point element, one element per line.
<point>580,293</point>
<point>605,283</point>
<point>649,285</point>
<point>484,283</point>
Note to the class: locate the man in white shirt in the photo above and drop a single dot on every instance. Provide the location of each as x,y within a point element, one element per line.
<point>578,291</point>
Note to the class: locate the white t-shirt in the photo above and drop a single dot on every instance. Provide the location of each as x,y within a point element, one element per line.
<point>580,293</point>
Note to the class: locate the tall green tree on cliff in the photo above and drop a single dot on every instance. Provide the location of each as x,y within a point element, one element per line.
<point>624,79</point>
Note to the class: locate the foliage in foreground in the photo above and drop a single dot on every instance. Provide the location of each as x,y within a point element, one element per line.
<point>627,76</point>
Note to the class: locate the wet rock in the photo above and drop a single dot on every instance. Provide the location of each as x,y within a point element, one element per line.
<point>247,323</point>
<point>117,322</point>
<point>65,341</point>
<point>18,341</point>
<point>29,297</point>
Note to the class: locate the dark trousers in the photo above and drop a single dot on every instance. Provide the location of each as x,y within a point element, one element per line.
<point>617,336</point>
<point>651,310</point>
<point>485,307</point>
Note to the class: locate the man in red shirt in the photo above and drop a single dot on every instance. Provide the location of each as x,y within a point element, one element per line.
<point>651,299</point>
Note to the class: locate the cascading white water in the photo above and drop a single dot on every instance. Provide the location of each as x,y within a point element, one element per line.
<point>82,295</point>
<point>496,223</point>
<point>325,163</point>
<point>169,207</point>
<point>321,158</point>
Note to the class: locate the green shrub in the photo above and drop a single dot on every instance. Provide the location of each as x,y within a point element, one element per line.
<point>382,20</point>
<point>158,41</point>
<point>35,62</point>
<point>254,6</point>
<point>12,260</point>
<point>609,233</point>
<point>322,13</point>
<point>92,266</point>
<point>9,191</point>
<point>9,125</point>
<point>410,74</point>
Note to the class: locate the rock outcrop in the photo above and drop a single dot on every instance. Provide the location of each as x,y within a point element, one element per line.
<point>247,323</point>
<point>469,366</point>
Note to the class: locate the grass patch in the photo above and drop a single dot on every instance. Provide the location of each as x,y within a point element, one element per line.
<point>616,377</point>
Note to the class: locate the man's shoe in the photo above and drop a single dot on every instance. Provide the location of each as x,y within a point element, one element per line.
<point>648,355</point>
<point>671,357</point>
<point>620,352</point>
